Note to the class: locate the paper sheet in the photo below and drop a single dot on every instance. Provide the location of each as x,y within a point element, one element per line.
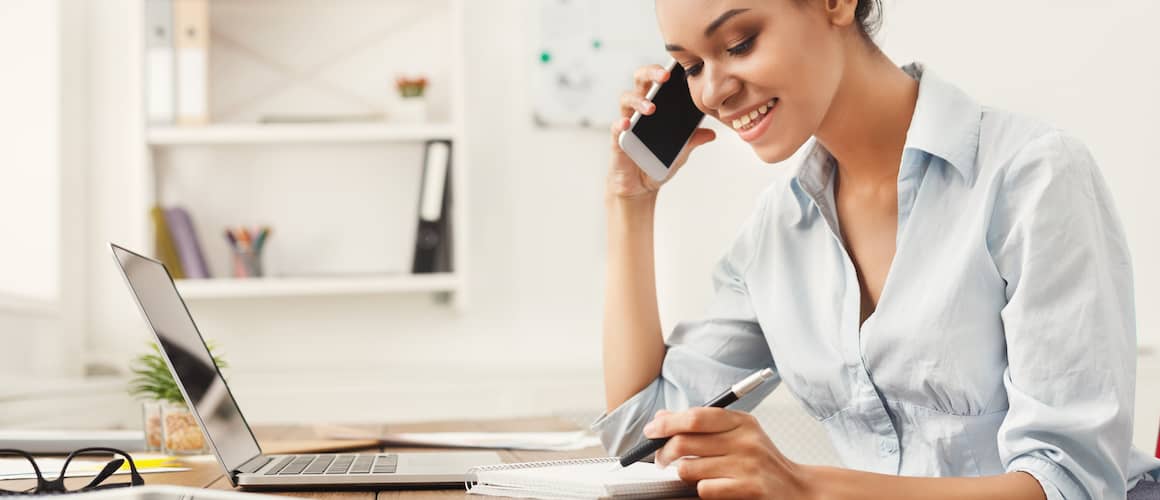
<point>19,468</point>
<point>549,441</point>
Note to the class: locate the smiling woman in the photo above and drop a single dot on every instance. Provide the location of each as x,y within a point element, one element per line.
<point>904,281</point>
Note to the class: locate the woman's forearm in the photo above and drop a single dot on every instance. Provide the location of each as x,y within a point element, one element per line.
<point>830,483</point>
<point>633,346</point>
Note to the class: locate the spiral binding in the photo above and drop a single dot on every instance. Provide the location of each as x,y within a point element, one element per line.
<point>470,481</point>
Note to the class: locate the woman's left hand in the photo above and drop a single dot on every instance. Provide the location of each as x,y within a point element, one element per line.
<point>734,457</point>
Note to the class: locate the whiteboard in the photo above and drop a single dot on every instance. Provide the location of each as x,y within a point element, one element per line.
<point>584,57</point>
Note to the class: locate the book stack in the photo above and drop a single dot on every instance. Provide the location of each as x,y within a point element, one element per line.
<point>177,244</point>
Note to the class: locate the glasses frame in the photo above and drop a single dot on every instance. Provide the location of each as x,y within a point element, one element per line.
<point>57,485</point>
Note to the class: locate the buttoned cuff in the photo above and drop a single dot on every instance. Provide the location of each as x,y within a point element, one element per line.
<point>622,428</point>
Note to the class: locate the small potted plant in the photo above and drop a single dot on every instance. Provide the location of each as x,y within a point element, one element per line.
<point>169,425</point>
<point>412,103</point>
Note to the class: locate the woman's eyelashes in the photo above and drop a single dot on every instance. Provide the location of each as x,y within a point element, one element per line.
<point>743,47</point>
<point>737,50</point>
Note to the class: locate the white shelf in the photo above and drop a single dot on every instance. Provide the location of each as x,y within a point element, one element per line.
<point>232,288</point>
<point>256,133</point>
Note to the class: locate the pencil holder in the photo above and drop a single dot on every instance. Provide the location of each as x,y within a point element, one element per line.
<point>246,248</point>
<point>247,264</point>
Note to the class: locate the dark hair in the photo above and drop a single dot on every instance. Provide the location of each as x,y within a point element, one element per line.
<point>868,13</point>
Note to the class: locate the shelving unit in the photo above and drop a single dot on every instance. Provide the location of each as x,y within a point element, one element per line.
<point>230,288</point>
<point>299,133</point>
<point>186,164</point>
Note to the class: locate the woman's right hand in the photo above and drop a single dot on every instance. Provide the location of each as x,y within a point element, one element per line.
<point>625,179</point>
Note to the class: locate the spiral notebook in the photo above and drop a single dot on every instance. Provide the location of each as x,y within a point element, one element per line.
<point>576,479</point>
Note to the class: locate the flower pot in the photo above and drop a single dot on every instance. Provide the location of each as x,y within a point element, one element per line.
<point>409,110</point>
<point>180,432</point>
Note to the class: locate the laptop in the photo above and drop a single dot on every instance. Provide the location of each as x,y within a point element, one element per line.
<point>229,435</point>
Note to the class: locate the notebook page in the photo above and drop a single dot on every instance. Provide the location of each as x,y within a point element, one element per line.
<point>599,479</point>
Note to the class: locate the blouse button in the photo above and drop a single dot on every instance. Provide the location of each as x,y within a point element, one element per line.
<point>887,447</point>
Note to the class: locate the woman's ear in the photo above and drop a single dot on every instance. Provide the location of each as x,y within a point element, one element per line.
<point>841,12</point>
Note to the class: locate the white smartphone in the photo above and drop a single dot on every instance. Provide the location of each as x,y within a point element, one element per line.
<point>655,141</point>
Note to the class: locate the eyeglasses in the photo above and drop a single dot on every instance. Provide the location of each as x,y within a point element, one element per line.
<point>57,485</point>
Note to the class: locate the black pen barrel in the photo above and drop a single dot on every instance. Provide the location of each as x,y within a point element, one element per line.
<point>642,450</point>
<point>648,446</point>
<point>731,395</point>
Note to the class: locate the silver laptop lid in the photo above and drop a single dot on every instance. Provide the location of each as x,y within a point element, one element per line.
<point>189,359</point>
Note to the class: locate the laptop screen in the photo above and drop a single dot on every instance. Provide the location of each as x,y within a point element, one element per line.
<point>189,359</point>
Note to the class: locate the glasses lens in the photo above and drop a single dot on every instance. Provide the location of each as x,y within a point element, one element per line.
<point>22,466</point>
<point>86,462</point>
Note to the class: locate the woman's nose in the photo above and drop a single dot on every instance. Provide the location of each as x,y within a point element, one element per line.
<point>719,86</point>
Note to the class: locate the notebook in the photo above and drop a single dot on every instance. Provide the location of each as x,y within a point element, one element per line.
<point>575,479</point>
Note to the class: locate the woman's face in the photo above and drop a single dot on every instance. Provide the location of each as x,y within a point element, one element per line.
<point>741,55</point>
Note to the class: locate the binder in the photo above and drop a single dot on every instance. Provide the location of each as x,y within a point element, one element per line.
<point>191,40</point>
<point>433,235</point>
<point>160,88</point>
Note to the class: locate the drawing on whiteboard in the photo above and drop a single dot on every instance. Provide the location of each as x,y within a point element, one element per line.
<point>585,53</point>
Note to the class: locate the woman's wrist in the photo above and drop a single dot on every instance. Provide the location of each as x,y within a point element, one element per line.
<point>630,212</point>
<point>642,201</point>
<point>813,482</point>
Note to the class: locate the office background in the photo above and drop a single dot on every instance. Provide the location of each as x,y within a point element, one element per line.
<point>526,342</point>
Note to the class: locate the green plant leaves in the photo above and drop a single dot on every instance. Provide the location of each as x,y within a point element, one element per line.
<point>152,378</point>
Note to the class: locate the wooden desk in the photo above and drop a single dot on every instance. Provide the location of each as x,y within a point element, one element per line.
<point>210,475</point>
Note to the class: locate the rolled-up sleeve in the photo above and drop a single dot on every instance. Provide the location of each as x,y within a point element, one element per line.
<point>1069,323</point>
<point>705,356</point>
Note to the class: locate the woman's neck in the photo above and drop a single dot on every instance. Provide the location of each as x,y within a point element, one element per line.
<point>865,127</point>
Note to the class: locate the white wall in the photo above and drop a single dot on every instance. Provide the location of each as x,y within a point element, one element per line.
<point>43,132</point>
<point>29,126</point>
<point>537,221</point>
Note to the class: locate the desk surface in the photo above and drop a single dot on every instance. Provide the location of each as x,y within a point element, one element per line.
<point>209,474</point>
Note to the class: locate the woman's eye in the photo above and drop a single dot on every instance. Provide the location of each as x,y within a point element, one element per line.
<point>742,47</point>
<point>736,50</point>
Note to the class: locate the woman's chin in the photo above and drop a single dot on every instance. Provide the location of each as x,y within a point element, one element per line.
<point>774,152</point>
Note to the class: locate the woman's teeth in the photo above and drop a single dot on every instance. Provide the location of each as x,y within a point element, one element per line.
<point>749,121</point>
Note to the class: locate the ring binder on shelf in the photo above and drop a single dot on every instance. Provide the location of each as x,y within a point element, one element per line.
<point>433,236</point>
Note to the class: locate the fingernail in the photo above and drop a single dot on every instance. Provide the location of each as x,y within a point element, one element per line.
<point>650,428</point>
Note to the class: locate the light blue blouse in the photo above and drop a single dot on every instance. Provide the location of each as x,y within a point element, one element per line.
<point>1004,338</point>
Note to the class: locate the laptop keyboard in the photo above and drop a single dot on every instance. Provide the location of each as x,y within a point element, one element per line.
<point>334,464</point>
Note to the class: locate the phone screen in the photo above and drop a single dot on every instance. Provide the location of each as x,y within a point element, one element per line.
<point>675,118</point>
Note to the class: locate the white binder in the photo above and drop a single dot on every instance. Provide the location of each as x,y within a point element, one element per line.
<point>191,22</point>
<point>159,72</point>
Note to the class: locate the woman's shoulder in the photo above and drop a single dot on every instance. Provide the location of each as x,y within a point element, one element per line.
<point>1012,144</point>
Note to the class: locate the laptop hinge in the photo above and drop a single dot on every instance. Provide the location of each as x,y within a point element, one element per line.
<point>252,465</point>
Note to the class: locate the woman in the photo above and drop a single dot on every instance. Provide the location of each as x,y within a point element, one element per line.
<point>946,287</point>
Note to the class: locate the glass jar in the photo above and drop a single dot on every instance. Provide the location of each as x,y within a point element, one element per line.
<point>180,432</point>
<point>151,422</point>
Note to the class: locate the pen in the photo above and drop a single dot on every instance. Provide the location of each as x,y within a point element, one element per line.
<point>232,239</point>
<point>261,240</point>
<point>726,398</point>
